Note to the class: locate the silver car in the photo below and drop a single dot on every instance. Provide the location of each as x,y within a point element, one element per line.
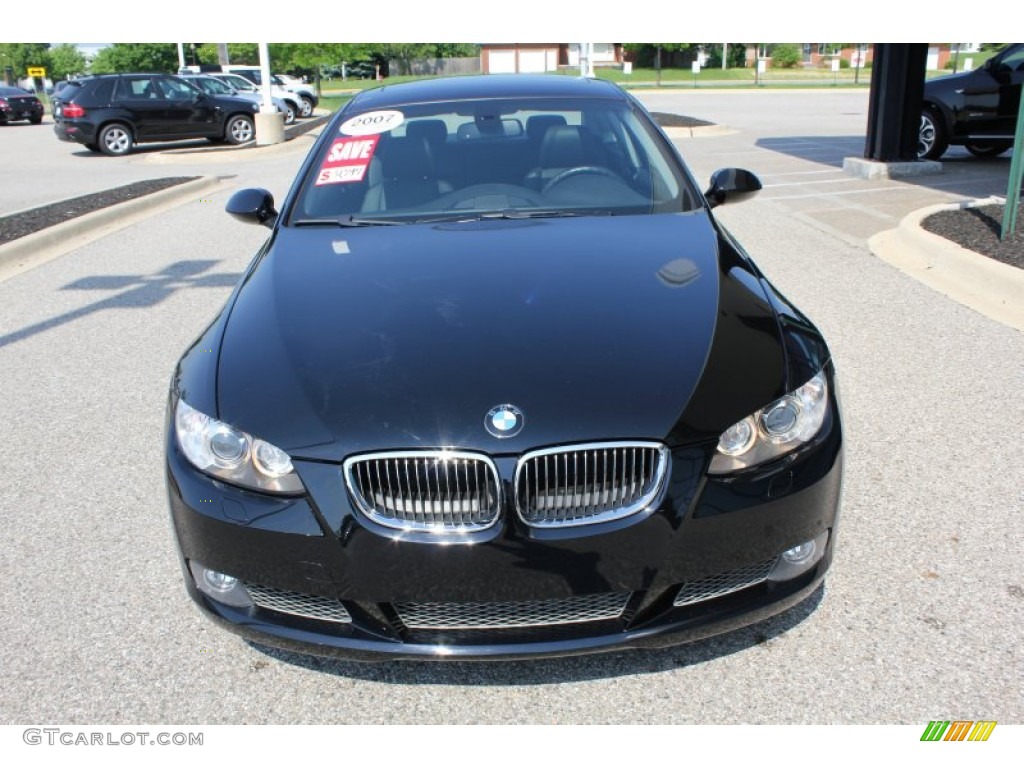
<point>215,87</point>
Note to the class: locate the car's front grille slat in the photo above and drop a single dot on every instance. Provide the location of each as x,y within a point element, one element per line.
<point>505,615</point>
<point>437,492</point>
<point>298,604</point>
<point>579,485</point>
<point>722,584</point>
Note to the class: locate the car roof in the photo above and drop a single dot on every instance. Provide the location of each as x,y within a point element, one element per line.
<point>473,87</point>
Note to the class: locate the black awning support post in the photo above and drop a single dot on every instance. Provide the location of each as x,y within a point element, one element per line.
<point>894,106</point>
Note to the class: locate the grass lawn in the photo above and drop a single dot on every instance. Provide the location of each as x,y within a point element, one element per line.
<point>334,102</point>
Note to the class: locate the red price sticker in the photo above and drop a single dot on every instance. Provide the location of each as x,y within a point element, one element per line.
<point>347,160</point>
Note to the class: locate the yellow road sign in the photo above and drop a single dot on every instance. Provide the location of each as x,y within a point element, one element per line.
<point>37,71</point>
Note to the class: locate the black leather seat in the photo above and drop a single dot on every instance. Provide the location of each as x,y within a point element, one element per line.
<point>565,147</point>
<point>402,175</point>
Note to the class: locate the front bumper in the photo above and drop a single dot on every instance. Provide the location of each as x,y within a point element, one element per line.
<point>318,547</point>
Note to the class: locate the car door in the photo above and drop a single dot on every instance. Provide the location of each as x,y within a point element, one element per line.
<point>992,96</point>
<point>1010,75</point>
<point>140,97</point>
<point>190,112</point>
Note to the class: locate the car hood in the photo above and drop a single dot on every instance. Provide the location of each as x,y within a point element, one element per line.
<point>356,339</point>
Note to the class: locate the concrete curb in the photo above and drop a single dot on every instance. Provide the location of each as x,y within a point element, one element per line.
<point>985,285</point>
<point>220,153</point>
<point>32,250</point>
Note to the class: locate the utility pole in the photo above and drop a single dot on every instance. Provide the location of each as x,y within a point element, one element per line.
<point>1016,179</point>
<point>725,55</point>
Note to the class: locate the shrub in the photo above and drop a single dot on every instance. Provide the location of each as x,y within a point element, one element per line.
<point>785,55</point>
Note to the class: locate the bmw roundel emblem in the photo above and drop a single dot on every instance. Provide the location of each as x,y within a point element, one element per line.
<point>504,420</point>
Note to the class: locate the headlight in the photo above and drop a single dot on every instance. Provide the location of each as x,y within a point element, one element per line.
<point>774,430</point>
<point>230,454</point>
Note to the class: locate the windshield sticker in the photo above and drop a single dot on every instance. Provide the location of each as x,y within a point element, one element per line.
<point>347,161</point>
<point>372,123</point>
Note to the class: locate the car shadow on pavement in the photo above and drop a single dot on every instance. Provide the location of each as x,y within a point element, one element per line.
<point>133,292</point>
<point>561,670</point>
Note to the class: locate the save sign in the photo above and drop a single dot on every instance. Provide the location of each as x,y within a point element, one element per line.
<point>347,160</point>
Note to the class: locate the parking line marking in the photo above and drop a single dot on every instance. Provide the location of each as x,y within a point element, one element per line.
<point>835,194</point>
<point>806,183</point>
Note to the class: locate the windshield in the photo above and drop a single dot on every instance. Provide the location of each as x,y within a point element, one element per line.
<point>210,85</point>
<point>237,82</point>
<point>511,158</point>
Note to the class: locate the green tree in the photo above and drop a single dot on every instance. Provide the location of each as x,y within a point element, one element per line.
<point>737,55</point>
<point>20,56</point>
<point>785,55</point>
<point>672,54</point>
<point>456,50</point>
<point>136,57</point>
<point>65,60</point>
<point>238,53</point>
<point>404,53</point>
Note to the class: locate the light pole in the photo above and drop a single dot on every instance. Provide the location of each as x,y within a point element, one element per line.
<point>269,122</point>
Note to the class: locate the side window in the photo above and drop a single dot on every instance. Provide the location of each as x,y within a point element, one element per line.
<point>104,91</point>
<point>137,88</point>
<point>1014,62</point>
<point>175,90</point>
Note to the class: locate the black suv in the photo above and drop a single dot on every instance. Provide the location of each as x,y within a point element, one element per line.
<point>977,110</point>
<point>110,113</point>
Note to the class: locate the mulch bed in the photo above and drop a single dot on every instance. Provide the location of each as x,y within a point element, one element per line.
<point>37,219</point>
<point>977,229</point>
<point>667,120</point>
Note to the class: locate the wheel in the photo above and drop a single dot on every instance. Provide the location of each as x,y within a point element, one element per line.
<point>307,107</point>
<point>115,139</point>
<point>36,120</point>
<point>579,171</point>
<point>988,150</point>
<point>289,114</point>
<point>931,138</point>
<point>239,129</point>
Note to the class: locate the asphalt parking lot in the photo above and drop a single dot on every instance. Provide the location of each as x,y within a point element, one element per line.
<point>921,615</point>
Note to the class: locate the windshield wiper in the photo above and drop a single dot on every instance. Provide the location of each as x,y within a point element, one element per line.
<point>516,213</point>
<point>347,221</point>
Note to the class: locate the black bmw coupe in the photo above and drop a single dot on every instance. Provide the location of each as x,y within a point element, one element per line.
<point>499,385</point>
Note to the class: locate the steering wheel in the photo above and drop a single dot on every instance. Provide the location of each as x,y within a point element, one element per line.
<point>579,171</point>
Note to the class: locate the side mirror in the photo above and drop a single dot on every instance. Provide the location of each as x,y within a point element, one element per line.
<point>731,185</point>
<point>253,206</point>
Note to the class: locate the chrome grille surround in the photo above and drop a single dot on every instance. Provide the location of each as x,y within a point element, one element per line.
<point>441,493</point>
<point>525,613</point>
<point>723,583</point>
<point>589,483</point>
<point>298,604</point>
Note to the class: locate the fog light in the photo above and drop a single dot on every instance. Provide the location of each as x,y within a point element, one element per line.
<point>801,554</point>
<point>799,559</point>
<point>221,587</point>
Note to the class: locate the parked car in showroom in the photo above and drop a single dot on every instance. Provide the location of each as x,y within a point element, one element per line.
<point>976,110</point>
<point>306,93</point>
<point>499,384</point>
<point>212,86</point>
<point>112,113</point>
<point>19,104</point>
<point>246,86</point>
